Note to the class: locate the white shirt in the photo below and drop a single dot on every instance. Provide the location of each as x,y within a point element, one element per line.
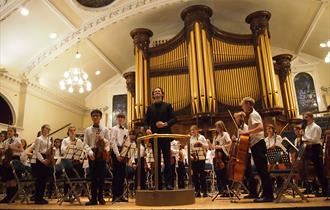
<point>254,119</point>
<point>118,136</point>
<point>222,139</point>
<point>67,148</point>
<point>90,138</point>
<point>312,134</point>
<point>175,147</point>
<point>194,139</point>
<point>209,156</point>
<point>15,141</point>
<point>41,145</point>
<point>274,141</point>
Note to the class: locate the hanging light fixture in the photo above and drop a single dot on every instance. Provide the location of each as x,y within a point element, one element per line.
<point>76,79</point>
<point>326,45</point>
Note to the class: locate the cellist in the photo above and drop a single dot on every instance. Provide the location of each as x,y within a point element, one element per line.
<point>258,147</point>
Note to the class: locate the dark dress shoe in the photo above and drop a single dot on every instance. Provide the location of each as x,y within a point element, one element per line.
<point>249,196</point>
<point>42,201</point>
<point>263,200</point>
<point>205,195</point>
<point>101,201</point>
<point>122,199</point>
<point>4,200</point>
<point>91,203</point>
<point>198,195</point>
<point>169,187</point>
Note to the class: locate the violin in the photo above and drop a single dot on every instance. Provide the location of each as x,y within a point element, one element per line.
<point>218,159</point>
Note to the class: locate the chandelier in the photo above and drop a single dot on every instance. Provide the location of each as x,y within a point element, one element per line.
<point>326,45</point>
<point>76,78</point>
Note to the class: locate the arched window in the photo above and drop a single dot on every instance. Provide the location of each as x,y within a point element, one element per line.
<point>6,115</point>
<point>305,91</point>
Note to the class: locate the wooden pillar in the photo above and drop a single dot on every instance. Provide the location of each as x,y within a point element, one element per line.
<point>130,84</point>
<point>260,29</point>
<point>283,69</point>
<point>141,37</point>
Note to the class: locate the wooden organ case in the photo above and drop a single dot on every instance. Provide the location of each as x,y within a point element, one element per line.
<point>204,71</point>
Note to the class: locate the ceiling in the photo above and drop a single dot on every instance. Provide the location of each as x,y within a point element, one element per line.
<point>298,26</point>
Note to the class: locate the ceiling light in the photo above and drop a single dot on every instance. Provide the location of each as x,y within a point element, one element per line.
<point>327,58</point>
<point>78,55</point>
<point>24,11</point>
<point>53,35</point>
<point>326,45</point>
<point>98,72</point>
<point>75,78</point>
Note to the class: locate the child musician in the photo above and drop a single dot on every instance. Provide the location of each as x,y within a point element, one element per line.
<point>258,147</point>
<point>221,142</point>
<point>72,150</point>
<point>118,137</point>
<point>198,148</point>
<point>273,140</point>
<point>96,138</point>
<point>42,146</point>
<point>12,149</point>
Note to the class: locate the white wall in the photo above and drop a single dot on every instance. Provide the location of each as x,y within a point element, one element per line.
<point>33,107</point>
<point>320,73</point>
<point>101,98</point>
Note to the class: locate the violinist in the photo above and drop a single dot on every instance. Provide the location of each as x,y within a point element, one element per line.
<point>12,151</point>
<point>198,147</point>
<point>70,147</point>
<point>312,136</point>
<point>118,137</point>
<point>97,138</point>
<point>273,140</point>
<point>221,142</point>
<point>258,147</point>
<point>42,146</point>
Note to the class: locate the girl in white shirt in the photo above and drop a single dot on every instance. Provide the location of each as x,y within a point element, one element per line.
<point>221,143</point>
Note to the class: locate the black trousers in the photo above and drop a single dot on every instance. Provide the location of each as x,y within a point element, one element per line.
<point>143,174</point>
<point>164,146</point>
<point>42,176</point>
<point>97,169</point>
<point>260,160</point>
<point>181,170</point>
<point>221,174</point>
<point>119,176</point>
<point>250,182</point>
<point>199,175</point>
<point>317,159</point>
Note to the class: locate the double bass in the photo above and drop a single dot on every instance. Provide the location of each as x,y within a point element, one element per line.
<point>238,156</point>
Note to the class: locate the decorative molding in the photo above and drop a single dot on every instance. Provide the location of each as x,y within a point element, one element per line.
<point>311,26</point>
<point>44,93</point>
<point>107,18</point>
<point>8,7</point>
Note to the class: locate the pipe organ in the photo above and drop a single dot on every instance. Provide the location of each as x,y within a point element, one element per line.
<point>205,71</point>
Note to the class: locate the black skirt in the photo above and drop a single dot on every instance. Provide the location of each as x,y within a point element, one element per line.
<point>7,172</point>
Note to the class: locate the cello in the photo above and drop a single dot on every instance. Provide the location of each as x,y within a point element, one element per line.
<point>238,156</point>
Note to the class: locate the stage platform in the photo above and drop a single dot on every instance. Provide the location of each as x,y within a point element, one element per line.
<point>201,203</point>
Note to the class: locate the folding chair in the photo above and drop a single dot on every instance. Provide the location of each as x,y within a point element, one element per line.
<point>23,177</point>
<point>289,174</point>
<point>75,183</point>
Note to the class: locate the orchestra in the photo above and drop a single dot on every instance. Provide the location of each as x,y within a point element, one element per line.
<point>44,155</point>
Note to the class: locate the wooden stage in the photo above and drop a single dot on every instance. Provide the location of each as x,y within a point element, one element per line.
<point>201,203</point>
